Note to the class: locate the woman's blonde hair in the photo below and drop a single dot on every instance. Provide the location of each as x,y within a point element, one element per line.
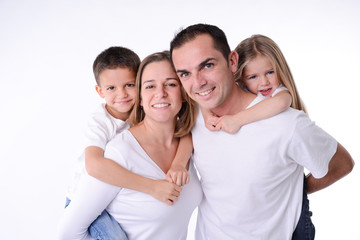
<point>187,114</point>
<point>258,44</point>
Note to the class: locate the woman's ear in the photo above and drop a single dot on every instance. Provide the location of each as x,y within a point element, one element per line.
<point>99,91</point>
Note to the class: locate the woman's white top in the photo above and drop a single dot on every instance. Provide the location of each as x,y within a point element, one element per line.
<point>139,214</point>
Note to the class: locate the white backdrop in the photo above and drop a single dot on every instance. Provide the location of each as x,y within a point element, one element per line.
<point>46,54</point>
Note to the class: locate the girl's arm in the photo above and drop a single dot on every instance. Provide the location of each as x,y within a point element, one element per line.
<point>178,172</point>
<point>264,109</point>
<point>110,172</point>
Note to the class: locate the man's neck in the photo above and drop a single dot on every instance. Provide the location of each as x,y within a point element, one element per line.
<point>237,101</point>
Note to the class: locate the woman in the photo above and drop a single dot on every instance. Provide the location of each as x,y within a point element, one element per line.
<point>162,113</point>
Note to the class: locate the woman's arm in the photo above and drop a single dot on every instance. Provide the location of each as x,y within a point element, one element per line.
<point>262,110</point>
<point>90,200</point>
<point>178,172</point>
<point>112,173</point>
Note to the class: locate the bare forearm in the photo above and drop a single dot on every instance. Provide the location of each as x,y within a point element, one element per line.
<point>340,165</point>
<point>110,172</point>
<point>184,151</point>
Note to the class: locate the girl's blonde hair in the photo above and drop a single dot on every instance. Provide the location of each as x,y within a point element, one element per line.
<point>258,44</point>
<point>187,114</point>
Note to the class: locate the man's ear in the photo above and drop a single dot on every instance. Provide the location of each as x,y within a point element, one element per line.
<point>99,91</point>
<point>233,61</point>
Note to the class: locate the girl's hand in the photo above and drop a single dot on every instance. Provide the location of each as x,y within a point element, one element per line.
<point>211,123</point>
<point>165,191</point>
<point>178,175</point>
<point>228,124</point>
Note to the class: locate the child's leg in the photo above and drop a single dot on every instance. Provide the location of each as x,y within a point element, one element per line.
<point>105,227</point>
<point>305,229</point>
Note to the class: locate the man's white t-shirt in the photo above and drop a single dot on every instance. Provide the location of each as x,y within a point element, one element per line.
<point>140,215</point>
<point>253,180</point>
<point>101,128</point>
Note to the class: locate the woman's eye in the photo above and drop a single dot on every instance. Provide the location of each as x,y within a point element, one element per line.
<point>130,85</point>
<point>149,87</point>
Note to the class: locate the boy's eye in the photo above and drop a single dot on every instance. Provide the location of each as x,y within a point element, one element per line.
<point>110,88</point>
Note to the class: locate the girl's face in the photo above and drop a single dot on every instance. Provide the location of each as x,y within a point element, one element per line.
<point>160,92</point>
<point>260,77</point>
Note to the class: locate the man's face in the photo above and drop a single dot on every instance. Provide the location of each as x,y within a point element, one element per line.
<point>204,72</point>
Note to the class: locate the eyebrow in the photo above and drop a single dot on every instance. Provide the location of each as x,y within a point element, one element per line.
<point>202,64</point>
<point>166,79</point>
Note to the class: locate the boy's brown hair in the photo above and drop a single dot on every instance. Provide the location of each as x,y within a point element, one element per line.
<point>115,57</point>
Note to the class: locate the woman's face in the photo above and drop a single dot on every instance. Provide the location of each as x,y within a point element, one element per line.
<point>160,92</point>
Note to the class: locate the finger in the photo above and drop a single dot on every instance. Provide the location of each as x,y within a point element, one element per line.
<point>187,179</point>
<point>178,188</point>
<point>178,181</point>
<point>169,178</point>
<point>174,198</point>
<point>169,202</point>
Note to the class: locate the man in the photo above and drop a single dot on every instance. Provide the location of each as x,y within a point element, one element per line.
<point>252,180</point>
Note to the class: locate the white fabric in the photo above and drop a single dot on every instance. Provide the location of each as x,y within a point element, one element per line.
<point>101,128</point>
<point>253,180</point>
<point>279,89</point>
<point>139,214</point>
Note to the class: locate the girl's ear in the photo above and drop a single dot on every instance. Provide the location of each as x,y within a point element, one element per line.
<point>233,61</point>
<point>99,91</point>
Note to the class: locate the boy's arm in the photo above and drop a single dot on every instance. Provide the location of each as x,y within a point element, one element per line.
<point>210,119</point>
<point>109,171</point>
<point>178,173</point>
<point>262,110</point>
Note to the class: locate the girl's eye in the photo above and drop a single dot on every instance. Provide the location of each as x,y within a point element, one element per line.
<point>252,77</point>
<point>270,72</point>
<point>110,88</point>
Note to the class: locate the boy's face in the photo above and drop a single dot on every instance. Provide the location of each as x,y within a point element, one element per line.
<point>117,86</point>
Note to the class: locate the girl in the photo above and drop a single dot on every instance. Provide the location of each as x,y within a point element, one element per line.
<point>262,69</point>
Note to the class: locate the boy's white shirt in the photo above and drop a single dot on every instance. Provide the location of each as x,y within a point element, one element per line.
<point>101,128</point>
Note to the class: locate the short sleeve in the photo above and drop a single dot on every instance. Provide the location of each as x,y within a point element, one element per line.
<point>311,146</point>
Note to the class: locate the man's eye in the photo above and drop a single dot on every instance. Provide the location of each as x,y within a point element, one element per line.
<point>184,74</point>
<point>208,65</point>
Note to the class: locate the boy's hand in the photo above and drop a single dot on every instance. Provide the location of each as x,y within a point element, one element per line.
<point>178,175</point>
<point>166,191</point>
<point>228,124</point>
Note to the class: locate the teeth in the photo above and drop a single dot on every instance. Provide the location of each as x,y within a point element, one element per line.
<point>160,105</point>
<point>205,93</point>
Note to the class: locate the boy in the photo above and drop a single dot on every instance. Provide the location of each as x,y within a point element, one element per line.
<point>115,73</point>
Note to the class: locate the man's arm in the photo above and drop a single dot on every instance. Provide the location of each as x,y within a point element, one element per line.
<point>340,165</point>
